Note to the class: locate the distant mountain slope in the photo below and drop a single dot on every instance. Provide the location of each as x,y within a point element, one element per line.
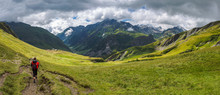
<point>7,29</point>
<point>104,37</point>
<point>195,39</point>
<point>37,36</point>
<point>158,32</point>
<point>168,32</point>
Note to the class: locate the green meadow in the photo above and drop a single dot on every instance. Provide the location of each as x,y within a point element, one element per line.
<point>206,36</point>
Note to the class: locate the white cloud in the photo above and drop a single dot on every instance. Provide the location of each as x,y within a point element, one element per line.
<point>56,21</point>
<point>10,13</point>
<point>163,19</point>
<point>57,15</point>
<point>99,13</point>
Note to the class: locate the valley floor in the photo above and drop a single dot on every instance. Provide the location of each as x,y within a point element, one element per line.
<point>190,73</point>
<point>66,73</point>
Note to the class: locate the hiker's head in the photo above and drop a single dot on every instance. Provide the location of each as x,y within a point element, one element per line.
<point>35,58</point>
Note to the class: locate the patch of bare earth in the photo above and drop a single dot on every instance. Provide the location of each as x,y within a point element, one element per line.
<point>70,83</point>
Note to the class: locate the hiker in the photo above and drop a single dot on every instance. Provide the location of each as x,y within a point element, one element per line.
<point>34,65</point>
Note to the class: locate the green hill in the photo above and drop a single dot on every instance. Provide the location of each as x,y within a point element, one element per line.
<point>62,72</point>
<point>14,65</point>
<point>195,39</point>
<point>37,36</point>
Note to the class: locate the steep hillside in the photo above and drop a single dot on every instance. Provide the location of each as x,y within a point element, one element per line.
<point>103,38</point>
<point>7,29</point>
<point>37,36</point>
<point>16,75</point>
<point>195,39</point>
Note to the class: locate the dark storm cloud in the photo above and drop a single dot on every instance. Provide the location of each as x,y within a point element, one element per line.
<point>18,1</point>
<point>61,5</point>
<point>197,8</point>
<point>202,8</point>
<point>26,10</point>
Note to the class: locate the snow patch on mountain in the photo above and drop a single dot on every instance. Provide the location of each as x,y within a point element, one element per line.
<point>180,27</point>
<point>130,29</point>
<point>68,32</point>
<point>103,35</point>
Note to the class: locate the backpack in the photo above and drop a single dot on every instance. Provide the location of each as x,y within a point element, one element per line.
<point>34,66</point>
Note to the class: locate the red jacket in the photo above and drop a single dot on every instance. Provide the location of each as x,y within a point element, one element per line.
<point>34,62</point>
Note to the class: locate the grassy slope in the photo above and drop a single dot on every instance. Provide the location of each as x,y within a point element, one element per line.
<point>207,36</point>
<point>133,34</point>
<point>57,57</point>
<point>189,73</point>
<point>13,84</point>
<point>192,73</point>
<point>14,50</point>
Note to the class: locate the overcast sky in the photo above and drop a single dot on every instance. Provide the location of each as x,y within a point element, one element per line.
<point>56,15</point>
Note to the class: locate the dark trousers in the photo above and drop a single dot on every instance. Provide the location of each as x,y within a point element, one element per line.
<point>34,72</point>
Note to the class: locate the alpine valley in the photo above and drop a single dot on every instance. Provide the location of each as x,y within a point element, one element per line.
<point>182,63</point>
<point>103,38</point>
<point>110,47</point>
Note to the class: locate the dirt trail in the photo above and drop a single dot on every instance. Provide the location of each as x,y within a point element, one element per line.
<point>16,61</point>
<point>3,77</point>
<point>33,88</point>
<point>69,82</point>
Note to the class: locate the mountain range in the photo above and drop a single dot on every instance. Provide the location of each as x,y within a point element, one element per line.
<point>188,41</point>
<point>100,39</point>
<point>107,36</point>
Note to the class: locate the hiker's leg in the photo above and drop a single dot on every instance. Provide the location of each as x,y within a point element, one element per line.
<point>34,75</point>
<point>34,79</point>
